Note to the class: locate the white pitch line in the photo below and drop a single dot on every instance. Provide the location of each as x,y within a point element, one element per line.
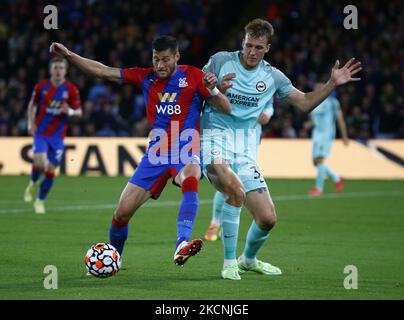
<point>364,194</point>
<point>293,197</point>
<point>101,206</point>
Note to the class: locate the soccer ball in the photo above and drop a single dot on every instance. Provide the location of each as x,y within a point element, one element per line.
<point>102,260</point>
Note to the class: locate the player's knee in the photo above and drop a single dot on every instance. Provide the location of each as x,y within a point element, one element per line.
<point>123,213</point>
<point>40,167</point>
<point>121,216</point>
<point>317,161</point>
<point>240,196</point>
<point>191,171</point>
<point>236,195</point>
<point>51,169</point>
<point>40,164</point>
<point>267,221</point>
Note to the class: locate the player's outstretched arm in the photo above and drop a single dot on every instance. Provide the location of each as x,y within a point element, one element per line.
<point>339,76</point>
<point>218,99</point>
<point>91,67</point>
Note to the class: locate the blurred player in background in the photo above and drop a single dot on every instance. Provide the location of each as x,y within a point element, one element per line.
<point>53,101</point>
<point>323,120</point>
<point>250,83</point>
<point>213,232</point>
<point>174,96</point>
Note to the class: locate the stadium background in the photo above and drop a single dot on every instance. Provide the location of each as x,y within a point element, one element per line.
<point>309,36</point>
<point>364,226</point>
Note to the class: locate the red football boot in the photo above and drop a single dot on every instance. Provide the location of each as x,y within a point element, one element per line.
<point>186,250</point>
<point>339,185</point>
<point>315,192</point>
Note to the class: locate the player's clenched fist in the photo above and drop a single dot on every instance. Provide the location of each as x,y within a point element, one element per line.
<point>59,49</point>
<point>209,80</point>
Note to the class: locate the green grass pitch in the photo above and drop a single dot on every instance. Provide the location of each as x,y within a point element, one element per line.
<point>313,241</point>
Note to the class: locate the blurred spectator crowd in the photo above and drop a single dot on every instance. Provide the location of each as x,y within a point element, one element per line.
<point>309,36</point>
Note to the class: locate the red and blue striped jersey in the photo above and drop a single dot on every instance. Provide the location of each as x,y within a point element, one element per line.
<point>178,99</point>
<point>49,99</point>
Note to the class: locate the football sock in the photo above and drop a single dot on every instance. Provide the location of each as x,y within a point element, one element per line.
<point>230,223</point>
<point>331,175</point>
<point>321,171</point>
<point>256,237</point>
<point>118,233</point>
<point>218,202</point>
<point>188,209</point>
<point>46,185</point>
<point>35,173</point>
<point>246,261</point>
<point>229,262</point>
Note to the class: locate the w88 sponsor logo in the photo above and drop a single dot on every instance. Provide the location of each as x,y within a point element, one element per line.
<point>169,109</point>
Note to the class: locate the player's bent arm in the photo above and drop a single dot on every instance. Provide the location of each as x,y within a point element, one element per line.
<point>221,102</point>
<point>91,67</point>
<point>310,100</point>
<point>342,127</point>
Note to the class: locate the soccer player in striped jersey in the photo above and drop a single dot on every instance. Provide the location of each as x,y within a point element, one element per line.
<point>53,101</point>
<point>174,96</point>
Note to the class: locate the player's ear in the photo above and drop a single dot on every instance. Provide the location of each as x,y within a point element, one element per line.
<point>177,56</point>
<point>268,47</point>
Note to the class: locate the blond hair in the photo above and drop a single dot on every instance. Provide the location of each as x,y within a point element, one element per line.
<point>258,28</point>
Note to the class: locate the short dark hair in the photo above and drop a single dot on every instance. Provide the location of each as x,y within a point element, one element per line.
<point>57,60</point>
<point>258,28</point>
<point>165,42</point>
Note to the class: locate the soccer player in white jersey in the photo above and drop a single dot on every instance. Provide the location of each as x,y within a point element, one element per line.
<point>323,120</point>
<point>250,83</point>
